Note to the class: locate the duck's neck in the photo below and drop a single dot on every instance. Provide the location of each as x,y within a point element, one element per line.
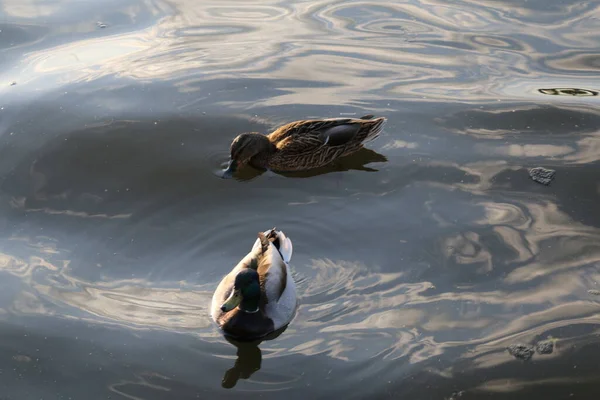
<point>249,305</point>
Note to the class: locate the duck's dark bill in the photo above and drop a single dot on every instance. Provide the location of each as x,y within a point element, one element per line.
<point>228,173</point>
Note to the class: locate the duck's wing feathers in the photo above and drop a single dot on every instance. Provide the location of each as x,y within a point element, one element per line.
<point>303,136</point>
<point>271,266</point>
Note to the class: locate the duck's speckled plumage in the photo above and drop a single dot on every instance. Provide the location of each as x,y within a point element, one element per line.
<point>305,144</point>
<point>277,305</point>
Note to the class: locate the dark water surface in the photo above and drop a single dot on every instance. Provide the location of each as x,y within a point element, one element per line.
<point>418,261</point>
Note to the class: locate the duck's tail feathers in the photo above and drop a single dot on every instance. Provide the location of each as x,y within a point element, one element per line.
<point>281,242</point>
<point>375,126</point>
<point>285,247</point>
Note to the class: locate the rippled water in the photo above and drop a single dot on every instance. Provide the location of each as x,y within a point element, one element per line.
<point>418,261</point>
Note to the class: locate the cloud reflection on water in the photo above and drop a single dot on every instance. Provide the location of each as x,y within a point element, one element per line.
<point>426,50</point>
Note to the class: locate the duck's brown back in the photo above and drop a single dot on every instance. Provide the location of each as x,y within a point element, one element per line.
<point>310,144</point>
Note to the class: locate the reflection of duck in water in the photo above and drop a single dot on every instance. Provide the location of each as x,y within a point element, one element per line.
<point>258,296</point>
<point>249,359</point>
<point>303,145</point>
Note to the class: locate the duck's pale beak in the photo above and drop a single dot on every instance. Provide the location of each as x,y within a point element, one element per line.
<point>233,301</point>
<point>231,167</point>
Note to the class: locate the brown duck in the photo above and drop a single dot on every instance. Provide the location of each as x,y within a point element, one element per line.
<point>303,145</point>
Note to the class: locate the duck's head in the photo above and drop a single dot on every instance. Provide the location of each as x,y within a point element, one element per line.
<point>243,148</point>
<point>245,292</point>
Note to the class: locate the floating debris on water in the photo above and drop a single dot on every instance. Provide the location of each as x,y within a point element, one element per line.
<point>542,175</point>
<point>21,358</point>
<point>594,292</point>
<point>456,395</point>
<point>521,351</point>
<point>568,92</point>
<point>545,347</point>
<point>101,25</point>
<point>13,83</point>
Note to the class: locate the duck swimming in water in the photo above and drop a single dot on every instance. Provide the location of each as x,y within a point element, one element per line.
<point>259,295</point>
<point>303,145</point>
